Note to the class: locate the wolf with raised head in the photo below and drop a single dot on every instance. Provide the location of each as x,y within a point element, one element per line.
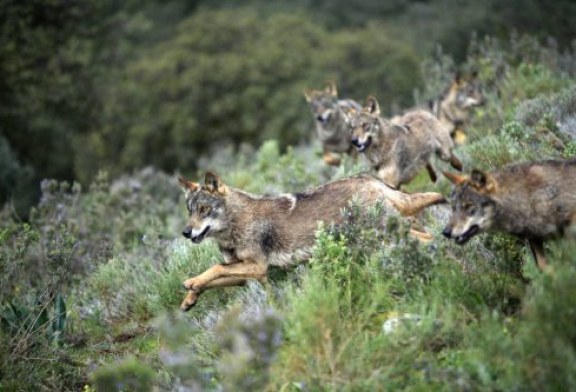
<point>535,201</point>
<point>331,119</point>
<point>397,150</point>
<point>253,232</point>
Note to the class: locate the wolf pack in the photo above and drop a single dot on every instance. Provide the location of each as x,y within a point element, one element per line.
<point>534,201</point>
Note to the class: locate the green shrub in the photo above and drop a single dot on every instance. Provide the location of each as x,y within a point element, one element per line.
<point>547,351</point>
<point>127,375</point>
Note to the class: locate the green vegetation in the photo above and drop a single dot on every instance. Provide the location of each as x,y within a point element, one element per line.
<point>91,265</point>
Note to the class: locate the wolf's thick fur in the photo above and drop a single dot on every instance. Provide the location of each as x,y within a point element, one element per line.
<point>535,201</point>
<point>455,106</point>
<point>397,150</point>
<point>331,118</point>
<point>254,232</point>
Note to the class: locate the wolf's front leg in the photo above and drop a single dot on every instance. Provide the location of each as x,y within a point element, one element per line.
<point>243,269</point>
<point>192,296</point>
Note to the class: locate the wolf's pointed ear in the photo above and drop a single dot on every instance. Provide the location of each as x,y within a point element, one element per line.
<point>371,106</point>
<point>188,186</point>
<point>307,94</point>
<point>331,88</point>
<point>458,77</point>
<point>214,184</point>
<point>482,181</point>
<point>455,178</point>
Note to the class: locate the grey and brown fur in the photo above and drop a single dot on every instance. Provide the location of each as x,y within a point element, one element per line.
<point>535,201</point>
<point>254,232</point>
<point>398,150</point>
<point>331,119</point>
<point>454,107</point>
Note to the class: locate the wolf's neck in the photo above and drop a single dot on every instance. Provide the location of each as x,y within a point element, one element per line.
<point>239,207</point>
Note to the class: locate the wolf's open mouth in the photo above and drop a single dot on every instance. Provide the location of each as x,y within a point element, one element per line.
<point>197,239</point>
<point>462,239</point>
<point>363,146</point>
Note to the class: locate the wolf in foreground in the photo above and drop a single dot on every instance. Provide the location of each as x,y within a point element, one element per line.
<point>254,232</point>
<point>331,119</point>
<point>535,201</point>
<point>397,150</point>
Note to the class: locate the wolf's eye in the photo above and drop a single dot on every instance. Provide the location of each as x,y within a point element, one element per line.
<point>365,125</point>
<point>470,209</point>
<point>204,210</point>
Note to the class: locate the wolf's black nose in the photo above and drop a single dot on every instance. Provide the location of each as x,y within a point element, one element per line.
<point>354,141</point>
<point>187,232</point>
<point>447,232</point>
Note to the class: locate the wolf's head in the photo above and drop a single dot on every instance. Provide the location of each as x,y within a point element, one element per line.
<point>473,206</point>
<point>206,207</point>
<point>468,91</point>
<point>322,102</point>
<point>366,125</point>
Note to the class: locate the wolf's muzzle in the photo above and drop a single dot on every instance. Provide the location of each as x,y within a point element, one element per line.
<point>464,237</point>
<point>361,146</point>
<point>198,238</point>
<point>187,233</point>
<point>323,118</point>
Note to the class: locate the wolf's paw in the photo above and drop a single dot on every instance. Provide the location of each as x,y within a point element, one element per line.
<point>191,284</point>
<point>189,301</point>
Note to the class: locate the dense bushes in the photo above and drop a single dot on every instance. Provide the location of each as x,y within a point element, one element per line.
<point>99,85</point>
<point>232,77</point>
<point>89,284</point>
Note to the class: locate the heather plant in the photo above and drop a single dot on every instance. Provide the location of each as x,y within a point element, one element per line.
<point>126,375</point>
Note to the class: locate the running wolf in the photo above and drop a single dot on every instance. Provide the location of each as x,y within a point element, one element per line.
<point>254,232</point>
<point>397,150</point>
<point>454,106</point>
<point>535,201</point>
<point>331,118</point>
